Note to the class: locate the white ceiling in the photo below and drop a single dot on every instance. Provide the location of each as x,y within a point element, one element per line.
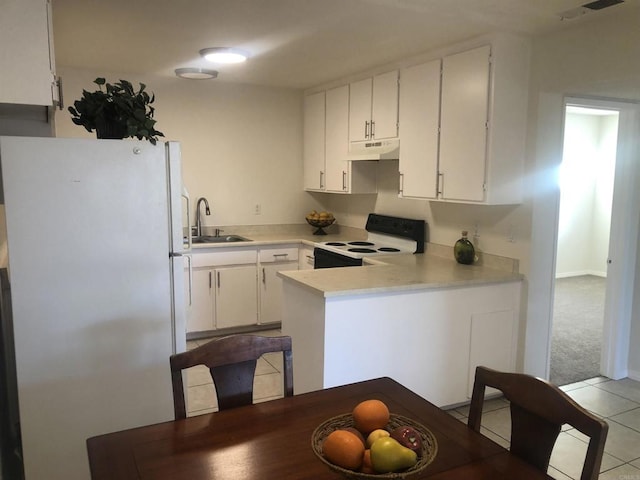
<point>294,43</point>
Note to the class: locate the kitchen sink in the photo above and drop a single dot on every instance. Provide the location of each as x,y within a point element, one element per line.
<point>219,239</point>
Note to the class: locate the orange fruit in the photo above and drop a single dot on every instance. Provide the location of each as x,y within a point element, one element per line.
<point>367,466</point>
<point>370,415</point>
<point>344,449</point>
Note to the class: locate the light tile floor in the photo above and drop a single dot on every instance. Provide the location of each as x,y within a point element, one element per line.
<point>618,401</point>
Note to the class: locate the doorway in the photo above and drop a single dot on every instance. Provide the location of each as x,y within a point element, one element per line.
<point>586,181</point>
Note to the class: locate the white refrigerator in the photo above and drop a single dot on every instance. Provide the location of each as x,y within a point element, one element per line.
<point>94,244</point>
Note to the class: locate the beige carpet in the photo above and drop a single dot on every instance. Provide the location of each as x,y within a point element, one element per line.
<point>577,328</point>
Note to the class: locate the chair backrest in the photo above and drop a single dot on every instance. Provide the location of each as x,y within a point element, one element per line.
<point>232,362</point>
<point>538,411</point>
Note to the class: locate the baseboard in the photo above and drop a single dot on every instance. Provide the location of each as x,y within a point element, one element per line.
<point>581,273</point>
<point>634,375</point>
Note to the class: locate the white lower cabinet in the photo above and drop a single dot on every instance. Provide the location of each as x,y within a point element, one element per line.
<point>236,287</point>
<point>223,290</point>
<point>272,261</point>
<point>236,296</point>
<point>271,291</point>
<point>305,258</point>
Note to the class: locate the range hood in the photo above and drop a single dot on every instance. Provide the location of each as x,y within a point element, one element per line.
<point>374,150</point>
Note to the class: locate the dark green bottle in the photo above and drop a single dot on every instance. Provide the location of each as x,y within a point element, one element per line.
<point>463,250</point>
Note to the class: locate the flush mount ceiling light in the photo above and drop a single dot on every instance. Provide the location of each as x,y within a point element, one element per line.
<point>224,55</point>
<point>196,73</point>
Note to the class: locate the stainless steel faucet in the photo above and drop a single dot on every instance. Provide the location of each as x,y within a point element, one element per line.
<point>198,219</point>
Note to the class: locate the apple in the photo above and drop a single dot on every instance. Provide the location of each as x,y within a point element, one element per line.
<point>408,437</point>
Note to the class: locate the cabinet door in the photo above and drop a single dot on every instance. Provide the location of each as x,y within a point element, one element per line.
<point>271,291</point>
<point>463,124</point>
<point>305,258</point>
<point>26,66</point>
<point>384,106</point>
<point>337,139</point>
<point>236,296</point>
<point>419,122</point>
<point>360,110</point>
<point>314,141</point>
<point>201,314</point>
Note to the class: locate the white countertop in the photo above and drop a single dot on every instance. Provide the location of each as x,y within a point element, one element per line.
<point>398,273</point>
<point>435,269</point>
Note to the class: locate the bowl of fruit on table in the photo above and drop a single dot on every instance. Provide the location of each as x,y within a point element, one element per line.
<point>319,220</point>
<point>371,442</point>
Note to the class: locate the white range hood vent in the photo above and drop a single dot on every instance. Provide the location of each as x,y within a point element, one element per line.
<point>374,150</point>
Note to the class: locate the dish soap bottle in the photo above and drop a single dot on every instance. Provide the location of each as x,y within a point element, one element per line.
<point>463,250</point>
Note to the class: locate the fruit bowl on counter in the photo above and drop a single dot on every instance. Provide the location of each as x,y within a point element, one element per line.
<point>398,448</point>
<point>319,220</point>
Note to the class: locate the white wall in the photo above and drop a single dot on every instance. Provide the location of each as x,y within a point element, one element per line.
<point>586,182</point>
<point>596,58</point>
<point>241,144</point>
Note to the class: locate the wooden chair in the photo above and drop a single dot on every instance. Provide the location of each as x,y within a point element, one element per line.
<point>538,411</point>
<point>232,362</point>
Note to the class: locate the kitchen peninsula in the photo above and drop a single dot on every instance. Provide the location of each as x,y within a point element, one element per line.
<point>421,319</point>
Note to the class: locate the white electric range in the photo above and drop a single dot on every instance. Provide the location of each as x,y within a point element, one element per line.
<point>386,236</point>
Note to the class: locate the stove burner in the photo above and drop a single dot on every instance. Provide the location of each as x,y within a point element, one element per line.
<point>336,244</point>
<point>362,250</point>
<point>388,249</point>
<point>362,244</point>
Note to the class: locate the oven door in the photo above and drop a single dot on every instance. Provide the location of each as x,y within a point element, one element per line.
<point>326,259</point>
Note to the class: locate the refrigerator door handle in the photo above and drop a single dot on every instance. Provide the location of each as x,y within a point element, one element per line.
<point>185,195</point>
<point>190,268</point>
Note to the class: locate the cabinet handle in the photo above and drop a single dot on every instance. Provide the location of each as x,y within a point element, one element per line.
<point>440,185</point>
<point>344,180</point>
<point>373,129</point>
<point>209,280</point>
<point>321,179</point>
<point>401,184</point>
<point>264,277</point>
<point>218,278</point>
<point>366,129</point>
<point>57,85</point>
<point>276,256</point>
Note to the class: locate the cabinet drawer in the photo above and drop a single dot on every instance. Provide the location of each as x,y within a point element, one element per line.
<point>278,255</point>
<point>212,259</point>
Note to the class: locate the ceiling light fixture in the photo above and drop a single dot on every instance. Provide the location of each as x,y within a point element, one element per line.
<point>224,55</point>
<point>196,73</point>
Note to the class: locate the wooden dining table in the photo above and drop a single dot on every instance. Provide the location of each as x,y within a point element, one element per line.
<point>272,441</point>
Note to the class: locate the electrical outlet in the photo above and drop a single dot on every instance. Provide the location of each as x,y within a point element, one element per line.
<point>257,209</point>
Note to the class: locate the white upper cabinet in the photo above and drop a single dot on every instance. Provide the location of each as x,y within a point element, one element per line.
<point>26,65</point>
<point>337,139</point>
<point>419,121</point>
<point>464,123</point>
<point>313,144</point>
<point>373,108</point>
<point>326,147</point>
<point>483,122</point>
<point>472,137</point>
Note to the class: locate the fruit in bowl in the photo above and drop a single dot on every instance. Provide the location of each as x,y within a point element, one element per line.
<point>371,442</point>
<point>319,220</point>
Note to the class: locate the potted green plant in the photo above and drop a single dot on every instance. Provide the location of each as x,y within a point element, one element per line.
<point>118,111</point>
